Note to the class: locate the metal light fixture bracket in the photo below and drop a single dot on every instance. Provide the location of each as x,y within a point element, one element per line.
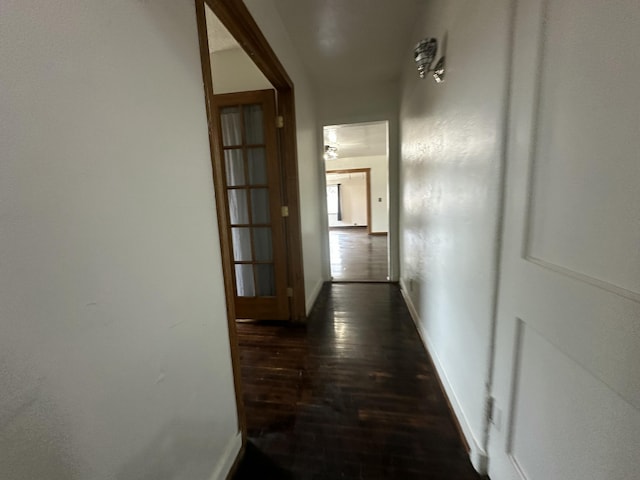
<point>424,54</point>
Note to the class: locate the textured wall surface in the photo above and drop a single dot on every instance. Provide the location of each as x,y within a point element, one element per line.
<point>114,351</point>
<point>451,140</point>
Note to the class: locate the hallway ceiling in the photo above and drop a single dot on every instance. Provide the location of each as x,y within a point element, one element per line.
<point>346,43</point>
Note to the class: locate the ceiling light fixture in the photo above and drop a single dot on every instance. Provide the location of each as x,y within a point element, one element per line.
<point>424,54</point>
<point>330,153</point>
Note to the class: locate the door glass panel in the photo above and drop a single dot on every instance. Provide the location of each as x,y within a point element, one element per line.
<point>241,238</point>
<point>235,167</point>
<point>238,208</point>
<point>257,166</point>
<point>262,244</point>
<point>252,197</point>
<point>244,281</point>
<point>253,126</point>
<point>265,282</point>
<point>260,205</point>
<point>231,126</point>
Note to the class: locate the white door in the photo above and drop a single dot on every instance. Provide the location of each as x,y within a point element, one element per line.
<point>567,362</point>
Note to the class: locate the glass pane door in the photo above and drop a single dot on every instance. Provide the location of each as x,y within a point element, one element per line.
<point>248,196</point>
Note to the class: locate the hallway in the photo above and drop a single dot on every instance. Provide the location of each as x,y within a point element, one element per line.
<point>350,395</point>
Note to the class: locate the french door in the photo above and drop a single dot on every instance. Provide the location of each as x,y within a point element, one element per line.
<point>254,226</point>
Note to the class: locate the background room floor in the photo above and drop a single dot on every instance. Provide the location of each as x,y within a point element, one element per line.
<point>358,256</point>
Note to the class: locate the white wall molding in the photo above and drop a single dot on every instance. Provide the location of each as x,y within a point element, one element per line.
<point>477,454</point>
<point>313,295</point>
<point>228,458</point>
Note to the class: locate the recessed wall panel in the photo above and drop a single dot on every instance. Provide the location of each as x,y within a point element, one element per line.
<point>566,416</point>
<point>585,214</point>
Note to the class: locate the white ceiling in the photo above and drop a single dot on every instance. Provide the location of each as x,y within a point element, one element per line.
<point>357,139</point>
<point>343,43</point>
<point>336,177</point>
<point>350,42</point>
<point>218,35</point>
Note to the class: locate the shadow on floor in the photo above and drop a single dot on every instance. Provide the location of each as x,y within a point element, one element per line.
<point>351,394</point>
<point>255,464</point>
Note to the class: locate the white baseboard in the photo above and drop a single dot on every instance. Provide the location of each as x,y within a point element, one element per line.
<point>228,458</point>
<point>311,298</point>
<point>478,455</point>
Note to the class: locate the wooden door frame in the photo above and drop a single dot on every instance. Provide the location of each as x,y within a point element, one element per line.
<point>367,174</point>
<point>235,16</point>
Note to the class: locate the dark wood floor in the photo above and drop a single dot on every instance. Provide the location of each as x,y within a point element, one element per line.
<point>351,395</point>
<point>358,256</point>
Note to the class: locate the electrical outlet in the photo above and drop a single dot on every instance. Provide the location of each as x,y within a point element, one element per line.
<point>411,284</point>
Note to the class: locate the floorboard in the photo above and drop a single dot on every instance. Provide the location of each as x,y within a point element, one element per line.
<point>358,256</point>
<point>349,395</point>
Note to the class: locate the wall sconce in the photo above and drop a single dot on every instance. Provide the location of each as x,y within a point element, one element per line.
<point>424,54</point>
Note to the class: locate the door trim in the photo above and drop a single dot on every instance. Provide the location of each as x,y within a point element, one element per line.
<point>238,20</point>
<point>219,193</point>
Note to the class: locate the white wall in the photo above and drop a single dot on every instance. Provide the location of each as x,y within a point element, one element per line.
<point>367,103</point>
<point>452,137</point>
<point>379,178</point>
<point>353,196</point>
<point>310,168</point>
<point>114,348</point>
<point>234,71</point>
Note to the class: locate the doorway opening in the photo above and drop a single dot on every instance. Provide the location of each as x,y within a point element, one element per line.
<point>250,107</point>
<point>357,178</point>
<point>254,161</point>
